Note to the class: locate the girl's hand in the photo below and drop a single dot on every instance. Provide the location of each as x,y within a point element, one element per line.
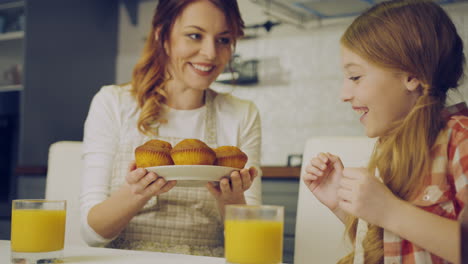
<point>323,176</point>
<point>231,191</point>
<point>146,184</point>
<point>364,195</point>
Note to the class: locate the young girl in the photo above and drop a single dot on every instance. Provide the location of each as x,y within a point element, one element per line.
<point>169,98</point>
<point>400,58</point>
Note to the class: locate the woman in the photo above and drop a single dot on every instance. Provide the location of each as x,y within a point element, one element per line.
<point>400,58</point>
<point>169,99</point>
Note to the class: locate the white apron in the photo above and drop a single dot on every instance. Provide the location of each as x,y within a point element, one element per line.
<point>185,220</point>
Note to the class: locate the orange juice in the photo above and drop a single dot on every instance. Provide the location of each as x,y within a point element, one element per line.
<point>34,230</point>
<point>254,241</point>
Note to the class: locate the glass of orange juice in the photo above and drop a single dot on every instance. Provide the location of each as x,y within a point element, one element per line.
<point>37,231</point>
<point>253,234</point>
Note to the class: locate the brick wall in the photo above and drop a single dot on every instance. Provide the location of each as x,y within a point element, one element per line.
<point>300,78</point>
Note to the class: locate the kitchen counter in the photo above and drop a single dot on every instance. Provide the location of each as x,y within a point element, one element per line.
<point>279,172</point>
<point>269,172</point>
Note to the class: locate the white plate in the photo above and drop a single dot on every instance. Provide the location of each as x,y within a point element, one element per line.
<point>192,175</point>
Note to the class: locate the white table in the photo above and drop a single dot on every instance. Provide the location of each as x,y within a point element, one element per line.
<point>90,255</point>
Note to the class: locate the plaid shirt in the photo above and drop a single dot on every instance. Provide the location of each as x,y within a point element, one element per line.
<point>445,188</point>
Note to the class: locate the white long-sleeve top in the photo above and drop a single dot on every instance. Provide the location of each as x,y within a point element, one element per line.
<point>112,118</point>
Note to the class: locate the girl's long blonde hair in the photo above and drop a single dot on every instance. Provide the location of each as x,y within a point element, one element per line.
<point>416,37</point>
<point>149,74</point>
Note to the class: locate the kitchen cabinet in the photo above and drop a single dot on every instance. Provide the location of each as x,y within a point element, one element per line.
<point>11,45</point>
<point>70,52</point>
<point>11,59</point>
<point>65,51</point>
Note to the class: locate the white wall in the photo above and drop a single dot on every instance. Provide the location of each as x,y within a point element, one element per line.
<point>300,77</point>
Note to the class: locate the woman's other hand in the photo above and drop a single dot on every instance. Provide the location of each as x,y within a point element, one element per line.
<point>146,184</point>
<point>231,191</point>
<point>322,177</point>
<point>127,201</point>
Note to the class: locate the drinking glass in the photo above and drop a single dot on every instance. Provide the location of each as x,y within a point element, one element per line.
<point>37,231</point>
<point>254,234</point>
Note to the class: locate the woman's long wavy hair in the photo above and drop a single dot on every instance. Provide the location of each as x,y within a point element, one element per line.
<point>149,74</point>
<point>415,37</point>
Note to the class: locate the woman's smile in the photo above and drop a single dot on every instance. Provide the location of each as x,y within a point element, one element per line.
<point>203,69</point>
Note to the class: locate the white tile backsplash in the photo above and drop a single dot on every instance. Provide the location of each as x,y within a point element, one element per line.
<point>300,80</point>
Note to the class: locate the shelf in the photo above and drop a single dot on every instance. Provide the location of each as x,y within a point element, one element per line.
<point>11,5</point>
<point>11,88</point>
<point>11,35</point>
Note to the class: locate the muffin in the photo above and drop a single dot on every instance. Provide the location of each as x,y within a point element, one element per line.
<point>230,156</point>
<point>192,152</point>
<point>153,153</point>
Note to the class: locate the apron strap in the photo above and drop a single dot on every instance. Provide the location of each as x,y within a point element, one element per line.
<point>211,134</point>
